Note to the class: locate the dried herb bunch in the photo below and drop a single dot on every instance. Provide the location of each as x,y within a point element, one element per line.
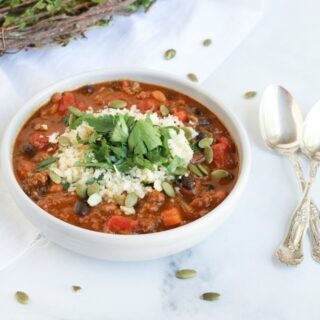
<point>36,23</point>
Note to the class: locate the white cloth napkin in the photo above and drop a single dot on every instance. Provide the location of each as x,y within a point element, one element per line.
<point>136,41</point>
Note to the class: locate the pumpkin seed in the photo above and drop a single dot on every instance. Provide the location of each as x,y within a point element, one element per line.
<point>21,297</point>
<point>71,118</point>
<point>168,189</point>
<point>192,77</point>
<point>193,168</point>
<point>180,171</point>
<point>219,173</point>
<point>93,188</point>
<point>75,111</point>
<point>170,54</point>
<point>120,199</point>
<point>186,273</point>
<point>203,169</point>
<point>131,200</point>
<point>81,190</point>
<point>187,133</point>
<point>54,177</point>
<point>164,110</point>
<point>91,181</point>
<point>250,94</point>
<point>76,288</point>
<point>208,154</point>
<point>210,296</point>
<point>94,200</point>
<point>117,104</point>
<point>64,141</point>
<point>207,42</point>
<point>205,142</point>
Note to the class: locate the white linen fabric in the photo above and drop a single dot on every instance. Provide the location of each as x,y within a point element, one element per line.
<point>136,41</point>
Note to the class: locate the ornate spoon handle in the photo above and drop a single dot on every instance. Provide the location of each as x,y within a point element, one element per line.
<point>290,252</point>
<point>314,219</point>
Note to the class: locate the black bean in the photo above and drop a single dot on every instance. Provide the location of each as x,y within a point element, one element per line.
<point>198,112</point>
<point>210,186</point>
<point>81,208</point>
<point>204,121</point>
<point>88,89</point>
<point>188,182</point>
<point>42,190</point>
<point>200,136</point>
<point>29,149</point>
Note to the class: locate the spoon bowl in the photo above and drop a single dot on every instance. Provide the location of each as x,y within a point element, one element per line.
<point>310,142</point>
<point>280,120</point>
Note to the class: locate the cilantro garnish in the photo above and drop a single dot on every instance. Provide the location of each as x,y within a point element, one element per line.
<point>121,142</point>
<point>144,137</point>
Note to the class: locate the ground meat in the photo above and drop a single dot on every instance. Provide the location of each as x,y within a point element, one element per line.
<point>60,204</point>
<point>37,179</point>
<point>110,208</point>
<point>36,184</point>
<point>152,202</point>
<point>94,221</point>
<point>131,87</point>
<point>148,221</point>
<point>209,199</point>
<point>24,168</point>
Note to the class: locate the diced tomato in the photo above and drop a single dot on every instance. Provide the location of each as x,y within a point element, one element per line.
<point>171,217</point>
<point>82,106</point>
<point>224,140</point>
<point>120,224</point>
<point>39,140</point>
<point>146,105</point>
<point>68,99</point>
<point>182,115</point>
<point>222,154</point>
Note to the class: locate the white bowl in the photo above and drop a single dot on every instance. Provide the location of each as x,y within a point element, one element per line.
<point>125,247</point>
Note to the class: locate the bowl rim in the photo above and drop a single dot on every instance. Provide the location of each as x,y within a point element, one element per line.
<point>37,100</point>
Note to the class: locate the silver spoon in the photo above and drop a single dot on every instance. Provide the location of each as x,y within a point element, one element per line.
<point>281,124</point>
<point>310,146</point>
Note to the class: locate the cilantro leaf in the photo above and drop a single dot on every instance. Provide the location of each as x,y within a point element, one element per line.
<point>120,132</point>
<point>102,124</point>
<point>142,163</point>
<point>175,163</point>
<point>101,152</point>
<point>144,137</point>
<point>119,152</point>
<point>77,112</point>
<point>125,165</point>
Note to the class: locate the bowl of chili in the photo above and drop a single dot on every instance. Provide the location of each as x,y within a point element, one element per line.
<point>125,165</point>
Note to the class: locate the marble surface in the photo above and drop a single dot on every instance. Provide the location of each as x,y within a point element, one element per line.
<point>237,260</point>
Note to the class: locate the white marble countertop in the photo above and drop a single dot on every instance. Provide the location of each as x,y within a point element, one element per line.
<point>237,260</point>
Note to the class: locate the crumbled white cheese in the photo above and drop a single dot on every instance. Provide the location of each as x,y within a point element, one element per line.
<point>94,200</point>
<point>179,145</point>
<point>53,138</point>
<point>128,211</point>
